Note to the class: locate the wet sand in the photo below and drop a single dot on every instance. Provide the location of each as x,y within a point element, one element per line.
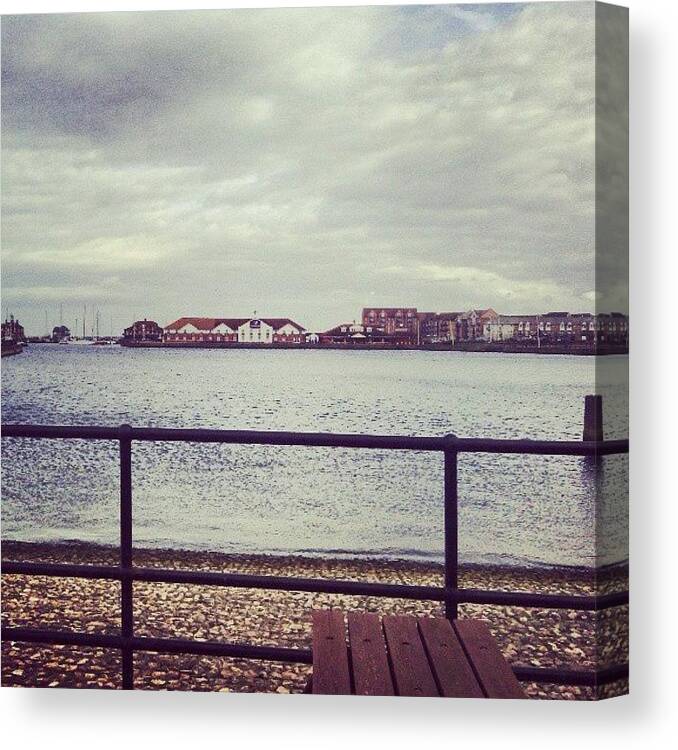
<point>527,636</point>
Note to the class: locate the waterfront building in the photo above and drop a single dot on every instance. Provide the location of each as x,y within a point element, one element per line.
<point>427,327</point>
<point>398,323</point>
<point>435,328</point>
<point>470,326</point>
<point>234,330</point>
<point>581,328</point>
<point>612,328</point>
<point>60,333</point>
<point>142,330</point>
<point>271,331</point>
<point>206,330</point>
<point>511,328</point>
<point>567,328</point>
<point>13,331</point>
<point>346,333</point>
<point>561,328</point>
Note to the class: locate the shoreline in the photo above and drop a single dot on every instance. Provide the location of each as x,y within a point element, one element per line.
<point>527,636</point>
<point>479,348</point>
<point>100,551</point>
<point>12,350</point>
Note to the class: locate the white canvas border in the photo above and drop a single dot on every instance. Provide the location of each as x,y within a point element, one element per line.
<point>62,718</point>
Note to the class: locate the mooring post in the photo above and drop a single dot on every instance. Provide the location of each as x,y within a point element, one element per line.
<point>593,418</point>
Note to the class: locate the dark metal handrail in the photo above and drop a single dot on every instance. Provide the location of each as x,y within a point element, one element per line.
<point>322,439</point>
<point>449,593</point>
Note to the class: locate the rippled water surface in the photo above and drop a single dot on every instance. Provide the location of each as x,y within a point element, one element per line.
<point>513,509</point>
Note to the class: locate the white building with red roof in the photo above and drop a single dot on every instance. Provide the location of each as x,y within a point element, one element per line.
<point>211,331</point>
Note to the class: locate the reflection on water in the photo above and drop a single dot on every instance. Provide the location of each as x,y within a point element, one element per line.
<point>539,510</point>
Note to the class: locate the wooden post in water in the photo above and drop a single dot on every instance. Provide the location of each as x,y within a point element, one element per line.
<point>593,417</point>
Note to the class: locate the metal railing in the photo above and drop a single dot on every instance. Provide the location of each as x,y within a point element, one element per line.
<point>450,593</point>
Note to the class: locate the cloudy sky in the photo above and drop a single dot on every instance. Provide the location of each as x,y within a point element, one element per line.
<point>300,163</point>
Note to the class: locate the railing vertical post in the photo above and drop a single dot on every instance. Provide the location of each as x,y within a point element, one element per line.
<point>593,418</point>
<point>126,592</point>
<point>451,528</point>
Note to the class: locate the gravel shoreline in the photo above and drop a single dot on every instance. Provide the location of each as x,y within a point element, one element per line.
<point>527,636</point>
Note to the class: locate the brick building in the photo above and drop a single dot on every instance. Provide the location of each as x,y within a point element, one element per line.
<point>397,324</point>
<point>437,328</point>
<point>143,330</point>
<point>562,328</point>
<point>13,331</point>
<point>612,328</point>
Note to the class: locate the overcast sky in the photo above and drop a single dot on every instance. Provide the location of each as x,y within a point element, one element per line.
<point>300,163</point>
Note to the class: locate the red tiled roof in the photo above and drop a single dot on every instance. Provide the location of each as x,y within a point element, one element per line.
<point>277,323</point>
<point>336,330</point>
<point>207,324</point>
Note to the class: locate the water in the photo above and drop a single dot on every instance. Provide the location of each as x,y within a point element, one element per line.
<point>514,510</point>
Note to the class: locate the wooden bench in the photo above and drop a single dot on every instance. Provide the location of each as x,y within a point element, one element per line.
<point>405,655</point>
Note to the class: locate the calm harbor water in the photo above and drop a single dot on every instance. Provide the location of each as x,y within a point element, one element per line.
<point>514,510</point>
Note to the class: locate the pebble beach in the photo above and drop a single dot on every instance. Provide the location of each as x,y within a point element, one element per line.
<point>527,636</point>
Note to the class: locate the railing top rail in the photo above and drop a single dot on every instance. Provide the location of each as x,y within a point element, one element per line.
<point>320,439</point>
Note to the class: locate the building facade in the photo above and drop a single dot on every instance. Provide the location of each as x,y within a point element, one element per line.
<point>511,328</point>
<point>470,326</point>
<point>60,333</point>
<point>436,328</point>
<point>398,325</point>
<point>202,330</point>
<point>349,333</point>
<point>560,328</point>
<point>13,331</point>
<point>612,328</point>
<point>143,330</point>
<point>234,330</point>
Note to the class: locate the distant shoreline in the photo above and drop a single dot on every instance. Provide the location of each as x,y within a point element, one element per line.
<point>480,347</point>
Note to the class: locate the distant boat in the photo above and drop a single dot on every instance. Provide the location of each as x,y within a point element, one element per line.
<point>77,342</point>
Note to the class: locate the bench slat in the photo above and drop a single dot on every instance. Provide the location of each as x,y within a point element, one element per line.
<point>411,670</point>
<point>451,668</point>
<point>493,671</point>
<point>330,656</point>
<point>371,673</point>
